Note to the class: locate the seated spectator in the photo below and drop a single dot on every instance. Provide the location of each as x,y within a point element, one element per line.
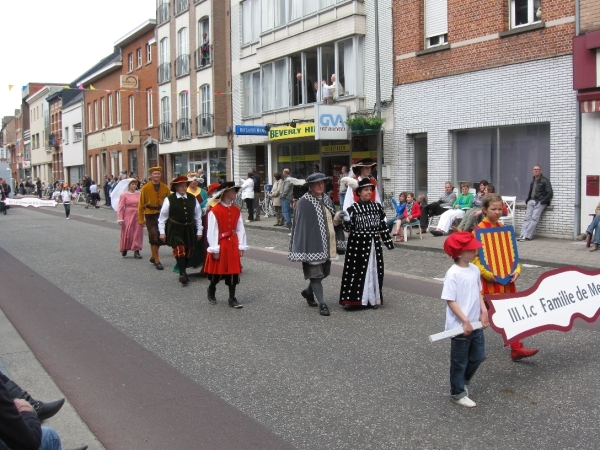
<point>399,207</point>
<point>463,202</point>
<point>437,208</point>
<point>477,203</point>
<point>412,213</point>
<point>422,199</point>
<point>593,231</point>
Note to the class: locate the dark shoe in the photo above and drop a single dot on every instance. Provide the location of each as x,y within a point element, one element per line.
<point>528,239</point>
<point>375,306</point>
<point>310,298</point>
<point>210,293</point>
<point>151,260</point>
<point>276,224</point>
<point>124,253</point>
<point>323,310</point>
<point>234,303</point>
<point>437,233</point>
<point>136,254</point>
<point>47,410</point>
<point>257,219</point>
<point>158,266</point>
<point>183,279</point>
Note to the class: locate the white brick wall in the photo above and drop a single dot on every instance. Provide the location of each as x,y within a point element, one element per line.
<point>536,91</point>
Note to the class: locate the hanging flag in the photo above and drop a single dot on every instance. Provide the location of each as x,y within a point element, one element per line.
<point>10,86</point>
<point>66,87</point>
<point>92,87</point>
<point>80,86</point>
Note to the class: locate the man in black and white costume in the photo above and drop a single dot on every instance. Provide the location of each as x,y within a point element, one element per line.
<point>363,267</point>
<point>317,238</point>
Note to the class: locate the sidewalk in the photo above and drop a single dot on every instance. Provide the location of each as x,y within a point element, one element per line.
<point>22,366</point>
<point>545,252</point>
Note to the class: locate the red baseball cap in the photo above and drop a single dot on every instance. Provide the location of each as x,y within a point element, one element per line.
<point>457,243</point>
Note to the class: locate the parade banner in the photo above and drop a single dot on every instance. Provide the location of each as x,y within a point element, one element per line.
<point>499,253</point>
<point>556,299</point>
<point>35,202</point>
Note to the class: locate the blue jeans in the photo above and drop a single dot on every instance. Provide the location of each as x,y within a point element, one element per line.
<point>466,354</point>
<point>50,439</point>
<point>532,217</point>
<point>594,229</point>
<point>286,211</point>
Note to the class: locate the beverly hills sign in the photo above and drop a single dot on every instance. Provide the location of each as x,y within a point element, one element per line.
<point>556,299</point>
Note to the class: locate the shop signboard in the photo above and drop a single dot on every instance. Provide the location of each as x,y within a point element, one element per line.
<point>250,130</point>
<point>286,132</point>
<point>331,122</point>
<point>343,148</point>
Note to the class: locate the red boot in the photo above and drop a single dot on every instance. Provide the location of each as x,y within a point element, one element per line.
<point>517,351</point>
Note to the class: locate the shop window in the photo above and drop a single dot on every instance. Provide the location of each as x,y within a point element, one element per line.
<point>180,164</point>
<point>299,158</point>
<point>217,160</point>
<point>504,156</point>
<point>525,12</point>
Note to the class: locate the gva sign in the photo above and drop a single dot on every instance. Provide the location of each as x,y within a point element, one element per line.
<point>331,122</point>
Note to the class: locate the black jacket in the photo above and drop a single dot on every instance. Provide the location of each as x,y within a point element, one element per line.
<point>17,431</point>
<point>543,191</point>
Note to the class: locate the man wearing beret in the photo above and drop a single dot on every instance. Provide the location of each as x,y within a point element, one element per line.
<point>152,196</point>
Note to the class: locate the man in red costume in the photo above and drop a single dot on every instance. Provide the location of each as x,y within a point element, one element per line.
<point>226,238</point>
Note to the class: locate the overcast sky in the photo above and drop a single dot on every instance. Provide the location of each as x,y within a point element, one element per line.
<point>55,41</point>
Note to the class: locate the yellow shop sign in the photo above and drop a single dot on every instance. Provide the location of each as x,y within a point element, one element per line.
<point>287,132</point>
<point>342,148</point>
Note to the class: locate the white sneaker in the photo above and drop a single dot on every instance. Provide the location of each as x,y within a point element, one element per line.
<point>67,218</point>
<point>465,401</point>
<point>247,221</point>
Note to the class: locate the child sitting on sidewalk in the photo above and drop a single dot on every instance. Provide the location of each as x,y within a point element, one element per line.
<point>412,212</point>
<point>399,207</point>
<point>462,293</point>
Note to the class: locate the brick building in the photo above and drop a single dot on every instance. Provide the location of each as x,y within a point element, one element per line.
<point>586,80</point>
<point>194,77</point>
<point>55,139</point>
<point>120,108</point>
<point>485,93</point>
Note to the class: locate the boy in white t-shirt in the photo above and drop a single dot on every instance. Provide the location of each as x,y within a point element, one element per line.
<point>462,293</point>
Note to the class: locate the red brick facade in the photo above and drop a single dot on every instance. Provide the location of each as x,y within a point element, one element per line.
<point>107,88</point>
<point>467,19</point>
<point>589,15</point>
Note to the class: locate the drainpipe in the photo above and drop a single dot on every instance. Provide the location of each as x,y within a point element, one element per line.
<point>378,103</point>
<point>576,228</point>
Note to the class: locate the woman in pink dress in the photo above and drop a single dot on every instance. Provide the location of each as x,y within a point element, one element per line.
<point>132,233</point>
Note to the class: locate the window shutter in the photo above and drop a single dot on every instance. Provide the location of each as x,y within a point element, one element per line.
<point>436,17</point>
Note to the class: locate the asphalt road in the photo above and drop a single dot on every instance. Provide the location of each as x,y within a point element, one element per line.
<point>150,364</point>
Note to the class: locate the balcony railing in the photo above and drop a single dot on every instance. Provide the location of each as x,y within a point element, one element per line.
<point>162,13</point>
<point>184,129</point>
<point>164,73</point>
<point>202,56</point>
<point>182,65</point>
<point>181,6</point>
<point>164,131</point>
<point>204,124</point>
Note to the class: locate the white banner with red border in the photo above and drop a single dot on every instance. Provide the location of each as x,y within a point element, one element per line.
<point>35,202</point>
<point>556,299</point>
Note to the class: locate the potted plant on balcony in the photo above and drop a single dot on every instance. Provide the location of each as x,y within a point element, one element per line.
<point>357,124</point>
<point>373,124</point>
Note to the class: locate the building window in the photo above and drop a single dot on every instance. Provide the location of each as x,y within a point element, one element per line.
<point>203,51</point>
<point>89,117</point>
<point>251,85</point>
<point>110,110</point>
<point>205,122</point>
<point>525,12</point>
<point>436,23</point>
<point>250,21</point>
<point>118,106</point>
<point>164,68</point>
<point>139,57</point>
<point>130,62</point>
<point>149,106</point>
<point>148,53</point>
<point>131,113</point>
<point>181,5</point>
<point>133,162</point>
<point>180,164</point>
<point>217,160</point>
<point>184,122</point>
<point>95,114</point>
<point>162,13</point>
<point>165,119</point>
<point>103,112</point>
<point>275,76</point>
<point>504,156</point>
<point>77,132</point>
<point>182,64</point>
<point>66,136</point>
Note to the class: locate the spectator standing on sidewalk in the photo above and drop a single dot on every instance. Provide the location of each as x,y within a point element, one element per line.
<point>256,179</point>
<point>540,195</point>
<point>343,186</point>
<point>94,195</point>
<point>276,196</point>
<point>4,193</point>
<point>438,208</point>
<point>38,186</point>
<point>287,197</point>
<point>152,196</point>
<point>248,195</point>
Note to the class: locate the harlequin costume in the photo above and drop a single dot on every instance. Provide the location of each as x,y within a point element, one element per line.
<point>362,278</point>
<point>356,168</point>
<point>491,287</point>
<point>226,238</point>
<point>151,200</point>
<point>317,237</point>
<point>180,222</point>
